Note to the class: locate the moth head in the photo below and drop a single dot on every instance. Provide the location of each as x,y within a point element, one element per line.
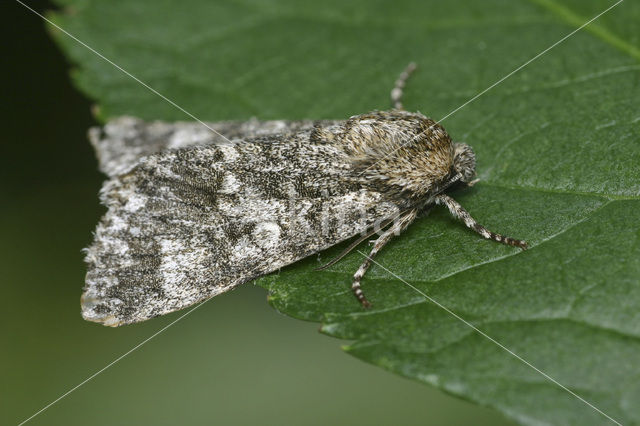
<point>464,162</point>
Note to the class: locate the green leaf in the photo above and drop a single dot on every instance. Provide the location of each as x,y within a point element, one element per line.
<point>558,153</point>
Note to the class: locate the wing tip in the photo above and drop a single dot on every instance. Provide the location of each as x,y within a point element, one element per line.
<point>89,305</point>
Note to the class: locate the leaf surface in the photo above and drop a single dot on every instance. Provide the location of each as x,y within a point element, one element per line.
<point>559,161</point>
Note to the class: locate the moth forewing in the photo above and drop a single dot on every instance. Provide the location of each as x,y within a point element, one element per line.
<point>186,224</point>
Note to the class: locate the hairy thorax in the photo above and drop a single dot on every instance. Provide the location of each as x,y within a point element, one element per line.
<point>406,156</point>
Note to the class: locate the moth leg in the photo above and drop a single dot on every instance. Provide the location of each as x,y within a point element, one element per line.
<point>458,211</point>
<point>353,245</point>
<point>396,93</point>
<point>382,240</point>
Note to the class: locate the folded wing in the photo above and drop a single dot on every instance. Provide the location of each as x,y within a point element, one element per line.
<point>186,224</point>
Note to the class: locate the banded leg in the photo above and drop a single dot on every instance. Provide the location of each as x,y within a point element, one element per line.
<point>382,240</point>
<point>458,211</point>
<point>396,93</point>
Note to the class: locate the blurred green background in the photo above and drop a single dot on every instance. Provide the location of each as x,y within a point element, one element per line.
<point>233,361</point>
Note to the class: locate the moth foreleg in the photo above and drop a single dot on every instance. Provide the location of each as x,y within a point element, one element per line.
<point>396,92</point>
<point>403,222</point>
<point>458,211</point>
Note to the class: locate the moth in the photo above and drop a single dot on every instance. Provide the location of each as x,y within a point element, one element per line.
<point>192,214</point>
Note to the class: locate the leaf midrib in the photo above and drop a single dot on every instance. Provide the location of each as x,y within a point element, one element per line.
<point>574,20</point>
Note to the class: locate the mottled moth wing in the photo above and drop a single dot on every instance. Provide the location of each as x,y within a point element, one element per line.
<point>186,224</point>
<point>123,141</point>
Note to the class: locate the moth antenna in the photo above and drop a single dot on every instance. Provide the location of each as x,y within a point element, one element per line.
<point>458,211</point>
<point>350,248</point>
<point>397,92</point>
